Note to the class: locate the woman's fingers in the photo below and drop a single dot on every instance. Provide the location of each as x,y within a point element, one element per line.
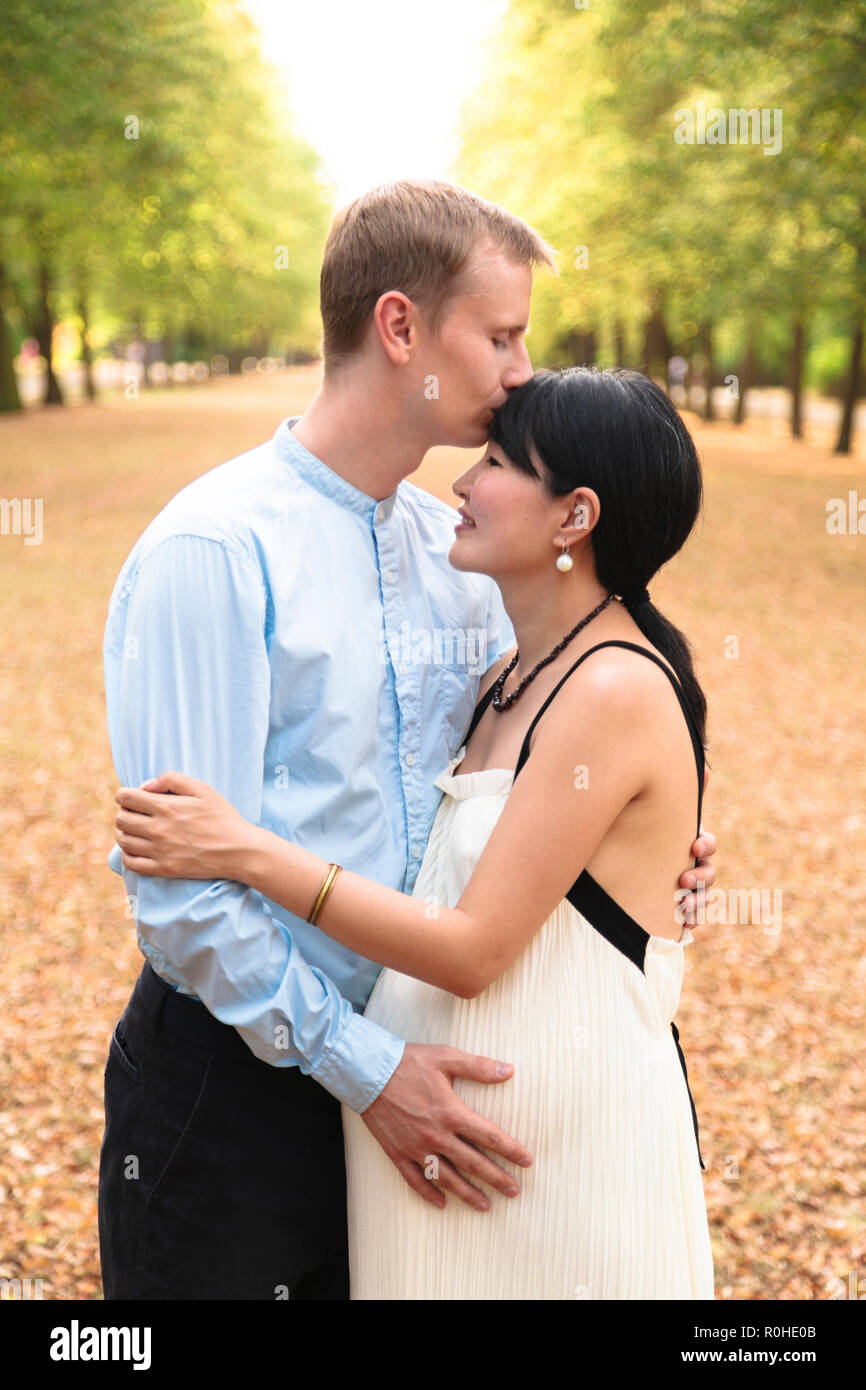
<point>134,799</point>
<point>135,844</point>
<point>151,795</point>
<point>133,822</point>
<point>176,782</point>
<point>138,864</point>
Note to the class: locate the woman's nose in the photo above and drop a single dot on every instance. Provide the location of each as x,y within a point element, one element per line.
<point>461,485</point>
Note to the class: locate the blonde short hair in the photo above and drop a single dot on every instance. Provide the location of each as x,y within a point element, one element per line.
<point>413,235</point>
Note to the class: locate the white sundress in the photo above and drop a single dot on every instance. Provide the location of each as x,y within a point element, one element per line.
<point>613,1205</point>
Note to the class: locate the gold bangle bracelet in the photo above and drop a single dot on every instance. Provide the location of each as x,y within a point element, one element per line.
<point>330,878</point>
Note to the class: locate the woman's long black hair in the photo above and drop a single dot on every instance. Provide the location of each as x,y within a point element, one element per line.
<point>616,432</point>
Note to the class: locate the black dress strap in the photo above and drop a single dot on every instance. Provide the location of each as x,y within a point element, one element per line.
<point>479,710</point>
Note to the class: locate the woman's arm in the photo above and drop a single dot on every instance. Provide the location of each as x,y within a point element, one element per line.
<point>549,830</point>
<point>195,833</point>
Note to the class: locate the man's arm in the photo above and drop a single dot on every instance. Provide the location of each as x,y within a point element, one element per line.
<point>188,683</point>
<point>188,686</point>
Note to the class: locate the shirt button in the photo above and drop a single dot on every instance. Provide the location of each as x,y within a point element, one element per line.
<point>391,577</point>
<point>410,759</point>
<point>416,851</point>
<point>380,513</point>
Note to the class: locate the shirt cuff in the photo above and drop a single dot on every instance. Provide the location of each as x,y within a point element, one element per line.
<point>360,1063</point>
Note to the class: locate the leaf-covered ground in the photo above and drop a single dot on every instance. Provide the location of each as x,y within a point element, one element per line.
<point>773,1016</point>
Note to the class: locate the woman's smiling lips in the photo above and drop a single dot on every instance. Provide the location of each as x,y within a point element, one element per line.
<point>465,524</point>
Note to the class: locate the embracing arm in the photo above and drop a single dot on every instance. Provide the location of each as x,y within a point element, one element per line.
<point>546,835</point>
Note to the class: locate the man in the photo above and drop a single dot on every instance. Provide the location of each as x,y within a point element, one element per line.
<point>289,630</point>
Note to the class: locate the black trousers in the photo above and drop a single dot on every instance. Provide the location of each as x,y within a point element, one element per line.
<point>220,1177</point>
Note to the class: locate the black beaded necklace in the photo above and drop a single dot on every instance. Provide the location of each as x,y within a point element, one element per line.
<point>501,705</point>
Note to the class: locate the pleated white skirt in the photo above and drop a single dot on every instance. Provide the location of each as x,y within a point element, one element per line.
<point>613,1206</point>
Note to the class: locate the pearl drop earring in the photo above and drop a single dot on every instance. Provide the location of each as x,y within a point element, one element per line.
<point>564,561</point>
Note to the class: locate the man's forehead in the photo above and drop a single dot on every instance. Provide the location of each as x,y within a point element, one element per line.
<point>500,293</point>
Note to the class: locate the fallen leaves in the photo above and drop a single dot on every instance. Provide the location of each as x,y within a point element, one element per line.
<point>772,1025</point>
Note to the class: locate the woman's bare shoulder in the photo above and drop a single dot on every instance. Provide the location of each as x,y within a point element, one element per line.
<point>614,682</point>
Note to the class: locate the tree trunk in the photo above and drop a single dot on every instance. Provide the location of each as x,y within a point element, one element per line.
<point>619,342</point>
<point>86,354</point>
<point>258,342</point>
<point>795,378</point>
<point>852,390</point>
<point>43,332</point>
<point>744,381</point>
<point>9,397</point>
<point>168,355</point>
<point>656,345</point>
<point>707,354</point>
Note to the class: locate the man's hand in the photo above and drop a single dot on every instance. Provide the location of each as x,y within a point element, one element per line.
<point>428,1133</point>
<point>700,878</point>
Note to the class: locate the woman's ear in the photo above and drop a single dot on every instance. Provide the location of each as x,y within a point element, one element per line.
<point>583,514</point>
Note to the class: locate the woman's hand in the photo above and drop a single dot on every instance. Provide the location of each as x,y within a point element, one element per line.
<point>193,833</point>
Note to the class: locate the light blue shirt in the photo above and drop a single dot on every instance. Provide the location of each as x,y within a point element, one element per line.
<point>311,653</point>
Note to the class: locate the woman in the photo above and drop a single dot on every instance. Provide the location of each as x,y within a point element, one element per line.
<point>543,923</point>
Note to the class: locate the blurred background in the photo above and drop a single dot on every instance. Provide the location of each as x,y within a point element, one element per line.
<point>167,176</point>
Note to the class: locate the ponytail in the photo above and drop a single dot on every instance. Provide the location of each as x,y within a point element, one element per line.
<point>675,647</point>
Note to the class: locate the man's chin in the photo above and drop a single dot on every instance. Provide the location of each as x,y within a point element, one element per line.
<point>479,439</point>
<point>474,436</point>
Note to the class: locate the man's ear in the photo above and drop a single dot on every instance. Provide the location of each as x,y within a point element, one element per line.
<point>395,321</point>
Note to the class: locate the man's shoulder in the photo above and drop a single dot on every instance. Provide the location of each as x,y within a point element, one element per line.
<point>225,495</point>
<point>227,504</point>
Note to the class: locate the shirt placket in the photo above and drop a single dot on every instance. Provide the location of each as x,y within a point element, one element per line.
<point>407,683</point>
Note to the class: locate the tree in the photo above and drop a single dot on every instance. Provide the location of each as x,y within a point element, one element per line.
<point>146,174</point>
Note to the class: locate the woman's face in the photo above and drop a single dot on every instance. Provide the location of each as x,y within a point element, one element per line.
<point>514,520</point>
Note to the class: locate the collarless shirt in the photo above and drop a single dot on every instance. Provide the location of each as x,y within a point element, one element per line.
<point>309,651</point>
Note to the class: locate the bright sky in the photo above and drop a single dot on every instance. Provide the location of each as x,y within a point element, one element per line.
<point>376,87</point>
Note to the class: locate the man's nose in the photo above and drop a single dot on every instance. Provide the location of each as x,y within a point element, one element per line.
<point>519,371</point>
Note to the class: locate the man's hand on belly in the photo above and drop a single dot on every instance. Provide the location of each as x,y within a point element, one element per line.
<point>429,1134</point>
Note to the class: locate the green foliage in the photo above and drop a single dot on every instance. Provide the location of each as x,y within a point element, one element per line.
<point>147,171</point>
<point>573,127</point>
